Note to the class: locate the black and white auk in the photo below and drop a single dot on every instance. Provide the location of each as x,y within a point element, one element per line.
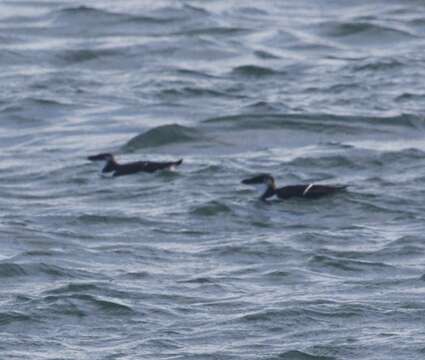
<point>267,185</point>
<point>115,169</point>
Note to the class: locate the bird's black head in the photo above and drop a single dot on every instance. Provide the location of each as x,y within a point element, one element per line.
<point>261,179</point>
<point>110,165</point>
<point>264,183</point>
<point>101,157</point>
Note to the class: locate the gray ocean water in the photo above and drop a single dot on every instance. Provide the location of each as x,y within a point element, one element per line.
<point>188,264</point>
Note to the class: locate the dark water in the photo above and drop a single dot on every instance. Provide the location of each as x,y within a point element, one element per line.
<point>188,264</point>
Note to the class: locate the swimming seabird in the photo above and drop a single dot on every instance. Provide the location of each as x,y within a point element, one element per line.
<point>116,169</point>
<point>268,188</point>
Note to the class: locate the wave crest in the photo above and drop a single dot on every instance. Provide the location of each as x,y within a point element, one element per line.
<point>254,71</point>
<point>163,135</point>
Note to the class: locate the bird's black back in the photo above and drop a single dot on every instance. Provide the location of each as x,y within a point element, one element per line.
<point>143,166</point>
<point>315,191</point>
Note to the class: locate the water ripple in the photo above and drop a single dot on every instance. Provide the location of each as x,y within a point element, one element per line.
<point>190,264</point>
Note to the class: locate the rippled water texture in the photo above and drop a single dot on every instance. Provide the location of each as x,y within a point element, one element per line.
<point>188,264</point>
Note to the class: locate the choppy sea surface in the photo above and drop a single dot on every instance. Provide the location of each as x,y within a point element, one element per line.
<point>189,264</point>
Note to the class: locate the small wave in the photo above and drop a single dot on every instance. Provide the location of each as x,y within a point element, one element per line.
<point>80,11</point>
<point>300,311</point>
<point>82,55</point>
<point>13,316</point>
<point>269,314</point>
<point>331,161</point>
<point>147,20</point>
<point>47,102</point>
<point>408,154</point>
<point>167,14</point>
<point>110,306</point>
<point>346,265</point>
<point>265,55</point>
<point>90,15</point>
<point>9,57</point>
<point>314,122</point>
<point>254,71</point>
<point>228,31</point>
<point>34,103</point>
<point>262,106</point>
<point>406,240</point>
<point>300,355</point>
<point>41,253</point>
<point>194,92</point>
<point>277,274</point>
<point>380,64</point>
<point>7,39</point>
<point>409,246</point>
<point>367,31</point>
<point>11,270</point>
<point>211,208</point>
<point>199,280</point>
<point>191,73</point>
<point>252,10</point>
<point>57,271</point>
<point>76,304</point>
<point>259,250</point>
<point>164,135</point>
<point>210,169</point>
<point>136,275</point>
<point>86,17</point>
<point>90,219</point>
<point>410,97</point>
<point>74,288</point>
<point>182,11</point>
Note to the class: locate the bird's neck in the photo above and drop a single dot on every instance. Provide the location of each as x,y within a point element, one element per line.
<point>269,191</point>
<point>110,166</point>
